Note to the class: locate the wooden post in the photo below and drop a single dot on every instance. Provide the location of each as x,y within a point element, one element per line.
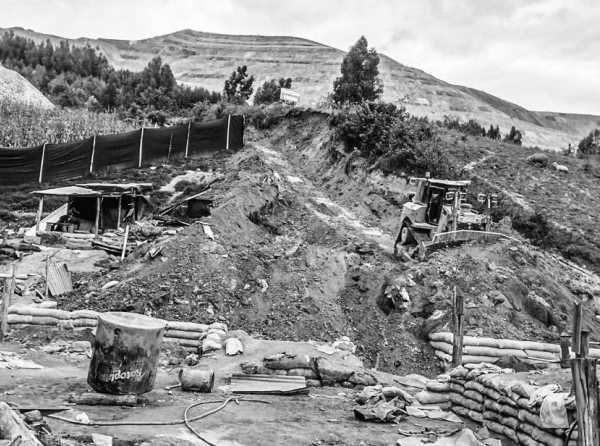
<point>455,213</point>
<point>170,147</point>
<point>124,249</point>
<point>9,286</point>
<point>565,353</point>
<point>585,383</point>
<point>98,210</point>
<point>141,148</point>
<point>228,124</point>
<point>93,154</point>
<point>119,212</point>
<point>42,163</point>
<point>187,141</point>
<point>47,287</point>
<point>38,217</point>
<point>458,327</point>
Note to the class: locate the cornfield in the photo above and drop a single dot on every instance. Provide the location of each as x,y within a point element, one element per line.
<point>27,126</point>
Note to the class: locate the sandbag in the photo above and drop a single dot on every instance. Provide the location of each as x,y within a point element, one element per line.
<point>436,386</point>
<point>183,334</point>
<point>330,371</point>
<point>307,373</point>
<point>285,361</point>
<point>187,326</point>
<point>540,435</point>
<point>447,337</point>
<point>196,380</point>
<point>427,397</point>
<point>474,395</point>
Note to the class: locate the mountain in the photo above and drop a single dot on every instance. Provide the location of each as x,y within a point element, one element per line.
<point>15,88</point>
<point>207,59</point>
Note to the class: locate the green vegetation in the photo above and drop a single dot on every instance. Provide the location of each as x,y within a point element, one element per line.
<point>514,136</point>
<point>238,88</point>
<point>81,76</point>
<point>590,145</point>
<point>359,81</point>
<point>26,126</point>
<point>391,139</point>
<point>270,90</point>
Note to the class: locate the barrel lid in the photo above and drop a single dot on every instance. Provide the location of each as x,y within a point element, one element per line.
<point>132,320</point>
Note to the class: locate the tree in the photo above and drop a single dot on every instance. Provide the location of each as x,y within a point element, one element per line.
<point>590,145</point>
<point>514,136</point>
<point>359,80</point>
<point>270,90</point>
<point>493,132</point>
<point>238,88</point>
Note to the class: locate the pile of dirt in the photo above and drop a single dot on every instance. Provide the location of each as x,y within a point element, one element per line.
<point>299,253</point>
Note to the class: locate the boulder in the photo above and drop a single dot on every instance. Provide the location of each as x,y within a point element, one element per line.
<point>540,159</point>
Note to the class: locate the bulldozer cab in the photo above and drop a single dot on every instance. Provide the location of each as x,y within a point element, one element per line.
<point>434,194</point>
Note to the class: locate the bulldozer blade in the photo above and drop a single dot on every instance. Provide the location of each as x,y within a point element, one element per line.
<point>465,235</point>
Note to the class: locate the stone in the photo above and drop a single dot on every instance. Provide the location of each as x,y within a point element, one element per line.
<point>363,378</point>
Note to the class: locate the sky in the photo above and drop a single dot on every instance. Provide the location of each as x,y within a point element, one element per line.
<point>541,54</point>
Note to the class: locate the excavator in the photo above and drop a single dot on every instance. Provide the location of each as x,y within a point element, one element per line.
<point>438,213</point>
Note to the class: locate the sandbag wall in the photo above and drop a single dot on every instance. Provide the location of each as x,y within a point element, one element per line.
<point>503,407</point>
<point>187,334</point>
<point>52,162</point>
<point>477,350</point>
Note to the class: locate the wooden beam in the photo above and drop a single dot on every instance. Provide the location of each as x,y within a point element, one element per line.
<point>585,386</point>
<point>565,353</point>
<point>14,428</point>
<point>458,327</point>
<point>124,249</point>
<point>187,141</point>
<point>98,210</point>
<point>119,211</point>
<point>38,217</point>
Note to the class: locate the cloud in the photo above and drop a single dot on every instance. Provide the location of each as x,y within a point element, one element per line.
<point>541,54</point>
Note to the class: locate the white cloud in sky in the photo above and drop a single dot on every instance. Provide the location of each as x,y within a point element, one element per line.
<point>542,54</point>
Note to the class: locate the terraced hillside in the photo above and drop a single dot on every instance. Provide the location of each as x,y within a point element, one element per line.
<point>206,59</point>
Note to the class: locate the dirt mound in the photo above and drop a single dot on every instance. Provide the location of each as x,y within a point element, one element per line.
<point>302,250</point>
<point>15,88</point>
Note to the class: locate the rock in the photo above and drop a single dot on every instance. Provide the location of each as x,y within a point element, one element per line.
<point>362,378</point>
<point>539,158</point>
<point>345,344</point>
<point>110,284</point>
<point>233,346</point>
<point>192,359</point>
<point>102,440</point>
<point>80,347</point>
<point>313,383</point>
<point>33,416</point>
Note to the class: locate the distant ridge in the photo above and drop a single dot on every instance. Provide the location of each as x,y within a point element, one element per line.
<point>206,59</point>
<point>15,88</point>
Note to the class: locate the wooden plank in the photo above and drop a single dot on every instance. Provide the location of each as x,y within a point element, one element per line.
<point>9,286</point>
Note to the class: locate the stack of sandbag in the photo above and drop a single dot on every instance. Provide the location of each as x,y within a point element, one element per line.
<point>436,392</point>
<point>187,334</point>
<point>318,371</point>
<point>504,406</point>
<point>478,349</point>
<point>215,337</point>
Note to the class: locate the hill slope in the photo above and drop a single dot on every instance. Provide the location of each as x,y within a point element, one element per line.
<point>15,88</point>
<point>206,59</point>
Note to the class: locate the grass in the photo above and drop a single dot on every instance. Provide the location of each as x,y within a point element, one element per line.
<point>26,126</point>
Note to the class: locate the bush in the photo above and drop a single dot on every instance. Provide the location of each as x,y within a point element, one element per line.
<point>270,91</point>
<point>590,145</point>
<point>390,139</point>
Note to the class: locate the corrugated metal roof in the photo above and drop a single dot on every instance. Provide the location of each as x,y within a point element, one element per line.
<point>68,191</point>
<point>118,186</point>
<point>59,279</point>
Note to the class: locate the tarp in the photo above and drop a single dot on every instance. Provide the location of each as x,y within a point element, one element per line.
<point>156,144</point>
<point>117,150</point>
<point>72,160</point>
<point>63,161</point>
<point>20,165</point>
<point>208,136</point>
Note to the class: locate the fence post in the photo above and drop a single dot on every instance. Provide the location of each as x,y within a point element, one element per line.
<point>585,383</point>
<point>565,354</point>
<point>187,141</point>
<point>170,147</point>
<point>141,147</point>
<point>93,154</point>
<point>9,284</point>
<point>42,163</point>
<point>228,125</point>
<point>458,327</point>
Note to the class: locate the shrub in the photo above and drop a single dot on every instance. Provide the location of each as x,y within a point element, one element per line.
<point>238,88</point>
<point>270,91</point>
<point>390,139</point>
<point>590,145</point>
<point>514,137</point>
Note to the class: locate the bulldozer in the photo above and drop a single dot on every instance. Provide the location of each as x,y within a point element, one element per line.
<point>438,213</point>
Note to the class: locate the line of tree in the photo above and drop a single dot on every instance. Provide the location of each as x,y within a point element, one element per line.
<point>74,76</point>
<point>590,145</point>
<point>473,128</point>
